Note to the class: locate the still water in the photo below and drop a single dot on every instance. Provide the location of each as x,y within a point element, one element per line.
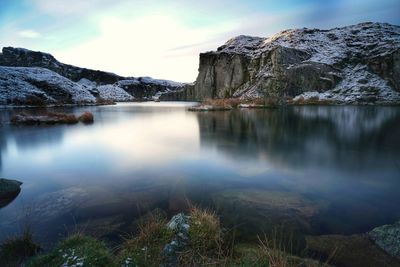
<point>318,170</point>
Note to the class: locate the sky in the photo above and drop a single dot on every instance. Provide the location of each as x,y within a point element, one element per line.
<point>163,39</point>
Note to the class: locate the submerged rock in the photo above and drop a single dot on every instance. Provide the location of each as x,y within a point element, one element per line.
<point>354,250</point>
<point>387,237</point>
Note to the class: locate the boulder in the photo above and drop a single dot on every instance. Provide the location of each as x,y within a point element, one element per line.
<point>9,190</point>
<point>387,237</point>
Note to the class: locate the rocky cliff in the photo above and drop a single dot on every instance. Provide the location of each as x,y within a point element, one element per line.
<point>355,64</point>
<point>36,78</point>
<point>20,57</point>
<point>39,86</point>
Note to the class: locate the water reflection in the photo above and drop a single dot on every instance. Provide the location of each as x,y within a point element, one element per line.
<point>354,138</point>
<point>317,169</point>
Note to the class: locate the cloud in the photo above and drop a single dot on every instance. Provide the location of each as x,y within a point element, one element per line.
<point>31,34</point>
<point>62,7</point>
<point>145,46</point>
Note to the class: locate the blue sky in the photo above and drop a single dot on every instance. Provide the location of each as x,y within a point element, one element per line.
<point>163,38</point>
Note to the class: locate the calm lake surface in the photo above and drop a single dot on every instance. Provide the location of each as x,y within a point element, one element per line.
<point>317,170</point>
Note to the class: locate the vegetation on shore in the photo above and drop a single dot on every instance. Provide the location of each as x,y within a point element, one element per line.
<point>269,102</point>
<point>51,118</point>
<point>207,244</point>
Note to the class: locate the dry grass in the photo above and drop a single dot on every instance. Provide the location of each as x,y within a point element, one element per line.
<point>207,246</point>
<point>63,117</point>
<point>272,251</point>
<point>145,248</point>
<point>50,118</point>
<point>101,101</point>
<point>224,102</point>
<point>235,102</point>
<point>46,118</point>
<point>86,117</point>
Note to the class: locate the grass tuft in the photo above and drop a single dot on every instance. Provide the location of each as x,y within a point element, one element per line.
<point>145,248</point>
<point>15,251</point>
<point>77,250</point>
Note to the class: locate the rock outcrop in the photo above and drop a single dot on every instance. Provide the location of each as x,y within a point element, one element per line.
<point>36,78</point>
<point>355,64</point>
<point>9,189</point>
<point>20,57</point>
<point>39,86</point>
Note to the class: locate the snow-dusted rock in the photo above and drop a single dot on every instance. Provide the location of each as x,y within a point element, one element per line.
<point>100,84</point>
<point>38,86</point>
<point>354,64</point>
<point>387,237</point>
<point>113,93</point>
<point>146,88</point>
<point>20,57</point>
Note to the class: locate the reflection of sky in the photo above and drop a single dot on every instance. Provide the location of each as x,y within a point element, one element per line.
<point>139,38</point>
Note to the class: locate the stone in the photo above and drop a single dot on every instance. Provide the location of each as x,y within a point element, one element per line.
<point>387,237</point>
<point>179,223</point>
<point>349,251</point>
<point>9,190</point>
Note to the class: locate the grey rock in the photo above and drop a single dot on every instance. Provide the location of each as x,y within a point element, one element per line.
<point>99,84</point>
<point>180,225</point>
<point>9,187</point>
<point>21,57</point>
<point>299,61</point>
<point>387,237</point>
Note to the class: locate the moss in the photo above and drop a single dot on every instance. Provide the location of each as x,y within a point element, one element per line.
<point>75,250</point>
<point>15,251</point>
<point>145,248</point>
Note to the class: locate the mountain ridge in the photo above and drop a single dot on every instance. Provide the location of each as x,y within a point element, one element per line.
<point>33,78</point>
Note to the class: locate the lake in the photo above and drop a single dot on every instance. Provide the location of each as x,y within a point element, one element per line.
<point>315,169</point>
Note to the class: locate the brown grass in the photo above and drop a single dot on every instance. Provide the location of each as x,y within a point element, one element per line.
<point>46,118</point>
<point>223,102</point>
<point>146,246</point>
<point>206,247</point>
<point>235,102</point>
<point>63,117</point>
<point>101,101</point>
<point>86,117</point>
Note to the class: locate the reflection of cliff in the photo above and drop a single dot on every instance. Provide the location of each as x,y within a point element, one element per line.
<point>344,137</point>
